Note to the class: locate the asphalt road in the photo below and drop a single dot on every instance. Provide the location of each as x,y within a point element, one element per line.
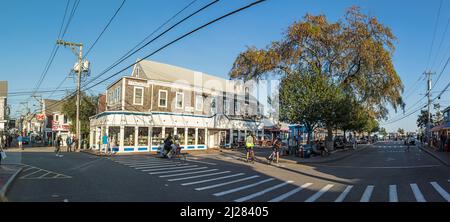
<point>383,172</point>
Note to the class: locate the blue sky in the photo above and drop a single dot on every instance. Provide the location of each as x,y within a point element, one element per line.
<point>29,30</point>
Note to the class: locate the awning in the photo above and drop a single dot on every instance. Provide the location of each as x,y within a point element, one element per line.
<point>438,128</point>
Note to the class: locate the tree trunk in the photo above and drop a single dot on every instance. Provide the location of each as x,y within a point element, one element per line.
<point>330,138</point>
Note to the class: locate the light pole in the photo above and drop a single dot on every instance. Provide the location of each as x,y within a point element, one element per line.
<point>80,67</point>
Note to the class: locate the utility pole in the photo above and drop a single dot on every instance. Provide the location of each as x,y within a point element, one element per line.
<point>80,69</point>
<point>428,129</point>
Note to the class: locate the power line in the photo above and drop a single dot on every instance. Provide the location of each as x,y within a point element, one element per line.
<point>174,41</point>
<point>434,33</point>
<point>182,37</point>
<point>123,58</point>
<point>104,29</point>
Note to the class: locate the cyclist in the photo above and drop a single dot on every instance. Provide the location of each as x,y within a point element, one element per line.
<point>250,144</point>
<point>275,150</point>
<point>176,147</point>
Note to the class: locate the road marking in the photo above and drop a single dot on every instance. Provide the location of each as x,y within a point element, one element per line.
<point>45,174</point>
<point>319,193</point>
<point>195,161</point>
<point>150,164</point>
<point>158,166</point>
<point>198,176</point>
<point>31,167</point>
<point>251,196</point>
<point>168,168</point>
<point>39,170</point>
<point>417,194</point>
<point>226,183</point>
<point>367,194</point>
<point>441,191</point>
<point>174,171</point>
<point>344,194</point>
<point>181,174</point>
<point>243,187</point>
<point>140,162</point>
<point>213,179</point>
<point>290,193</point>
<point>393,193</point>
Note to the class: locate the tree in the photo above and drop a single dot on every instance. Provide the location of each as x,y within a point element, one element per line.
<point>401,131</point>
<point>88,108</point>
<point>422,119</point>
<point>383,132</point>
<point>354,53</point>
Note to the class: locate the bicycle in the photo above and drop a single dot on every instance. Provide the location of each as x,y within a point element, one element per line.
<point>250,153</point>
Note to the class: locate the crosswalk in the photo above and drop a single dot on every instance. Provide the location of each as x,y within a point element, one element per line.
<point>231,185</point>
<point>33,172</point>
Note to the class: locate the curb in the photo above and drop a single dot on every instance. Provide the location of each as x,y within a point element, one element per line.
<point>434,155</point>
<point>5,188</point>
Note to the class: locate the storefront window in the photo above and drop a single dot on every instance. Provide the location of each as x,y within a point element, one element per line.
<point>114,135</point>
<point>180,133</point>
<point>128,139</point>
<point>143,136</point>
<point>235,135</point>
<point>201,136</point>
<point>169,131</point>
<point>191,136</point>
<point>243,135</point>
<point>156,136</point>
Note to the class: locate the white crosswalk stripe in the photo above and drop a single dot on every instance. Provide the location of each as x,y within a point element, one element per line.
<point>213,179</point>
<point>243,187</point>
<point>189,173</point>
<point>226,183</point>
<point>319,193</point>
<point>290,193</point>
<point>158,166</point>
<point>174,171</point>
<point>344,194</point>
<point>170,168</point>
<point>251,196</point>
<point>393,193</point>
<point>441,191</point>
<point>417,194</point>
<point>367,194</point>
<point>199,176</point>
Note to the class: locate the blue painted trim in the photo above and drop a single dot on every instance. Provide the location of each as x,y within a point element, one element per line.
<point>154,148</point>
<point>143,149</point>
<point>115,149</point>
<point>191,147</point>
<point>201,147</point>
<point>128,149</point>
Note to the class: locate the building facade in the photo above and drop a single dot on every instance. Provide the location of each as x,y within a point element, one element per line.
<point>158,100</point>
<point>3,106</point>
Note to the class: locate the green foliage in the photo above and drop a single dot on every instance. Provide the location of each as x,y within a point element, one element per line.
<point>88,108</point>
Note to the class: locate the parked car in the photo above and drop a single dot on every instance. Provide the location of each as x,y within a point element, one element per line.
<point>339,143</point>
<point>412,140</point>
<point>362,141</point>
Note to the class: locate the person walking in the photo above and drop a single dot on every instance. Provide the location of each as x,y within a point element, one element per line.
<point>105,142</point>
<point>69,144</point>
<point>250,144</point>
<point>58,142</point>
<point>407,140</point>
<point>19,141</point>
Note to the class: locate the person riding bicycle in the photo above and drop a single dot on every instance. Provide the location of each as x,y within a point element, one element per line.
<point>276,147</point>
<point>250,144</point>
<point>167,145</point>
<point>176,147</point>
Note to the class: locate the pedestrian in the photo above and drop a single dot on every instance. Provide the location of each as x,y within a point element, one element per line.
<point>69,144</point>
<point>407,143</point>
<point>167,145</point>
<point>105,143</point>
<point>2,153</point>
<point>250,144</point>
<point>19,141</point>
<point>58,142</point>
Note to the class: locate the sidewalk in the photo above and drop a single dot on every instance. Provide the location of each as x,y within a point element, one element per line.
<point>8,173</point>
<point>262,153</point>
<point>443,157</point>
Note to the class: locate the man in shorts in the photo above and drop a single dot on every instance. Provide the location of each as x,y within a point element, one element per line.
<point>250,144</point>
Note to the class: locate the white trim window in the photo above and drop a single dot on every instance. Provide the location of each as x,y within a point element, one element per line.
<point>247,96</point>
<point>179,100</point>
<point>213,105</point>
<point>199,102</point>
<point>138,95</point>
<point>162,98</point>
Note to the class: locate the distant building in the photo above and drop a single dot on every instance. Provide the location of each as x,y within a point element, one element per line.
<point>4,110</point>
<point>101,103</point>
<point>55,123</point>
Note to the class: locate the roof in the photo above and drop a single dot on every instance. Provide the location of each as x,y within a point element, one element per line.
<point>52,106</point>
<point>168,73</point>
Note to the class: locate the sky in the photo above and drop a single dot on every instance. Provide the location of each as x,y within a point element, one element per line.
<point>29,29</point>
